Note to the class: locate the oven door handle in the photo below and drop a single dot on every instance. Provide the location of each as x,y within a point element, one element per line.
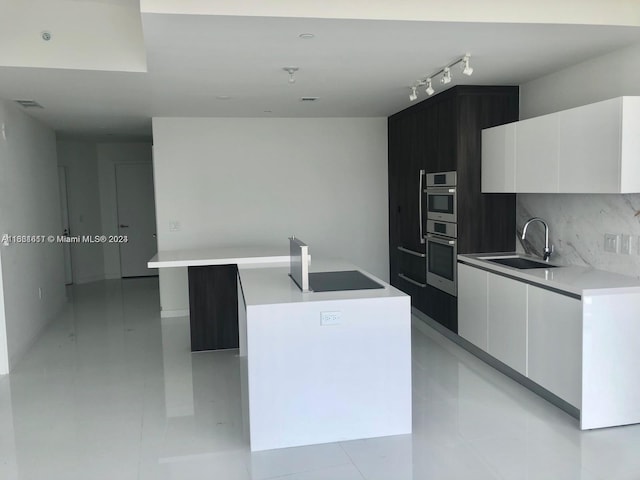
<point>440,240</point>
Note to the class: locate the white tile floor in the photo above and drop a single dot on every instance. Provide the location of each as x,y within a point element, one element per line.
<point>112,392</point>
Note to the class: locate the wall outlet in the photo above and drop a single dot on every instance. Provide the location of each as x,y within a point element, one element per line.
<point>330,318</point>
<point>40,293</point>
<point>174,226</point>
<point>626,244</point>
<point>611,243</point>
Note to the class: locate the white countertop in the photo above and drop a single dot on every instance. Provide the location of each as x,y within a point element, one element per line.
<point>571,279</point>
<point>255,257</point>
<point>273,285</point>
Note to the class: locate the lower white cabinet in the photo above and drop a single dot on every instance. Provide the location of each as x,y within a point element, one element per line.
<point>555,343</point>
<point>507,321</point>
<point>535,331</point>
<point>472,305</point>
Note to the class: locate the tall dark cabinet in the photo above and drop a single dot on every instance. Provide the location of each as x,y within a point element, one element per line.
<point>443,133</point>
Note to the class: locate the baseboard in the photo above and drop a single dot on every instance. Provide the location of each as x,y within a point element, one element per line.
<point>174,313</point>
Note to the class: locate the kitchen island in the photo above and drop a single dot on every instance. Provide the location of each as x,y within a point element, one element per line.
<point>319,366</point>
<point>571,330</point>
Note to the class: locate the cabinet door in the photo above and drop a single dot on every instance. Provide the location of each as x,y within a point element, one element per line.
<point>507,321</point>
<point>555,343</point>
<point>499,159</point>
<point>447,134</point>
<point>589,148</point>
<point>472,305</point>
<point>537,155</point>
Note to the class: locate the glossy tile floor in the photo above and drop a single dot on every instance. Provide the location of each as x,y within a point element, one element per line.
<point>111,391</point>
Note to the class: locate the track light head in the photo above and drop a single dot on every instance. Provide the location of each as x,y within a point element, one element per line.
<point>291,71</point>
<point>414,94</point>
<point>466,68</point>
<point>429,90</point>
<point>446,76</point>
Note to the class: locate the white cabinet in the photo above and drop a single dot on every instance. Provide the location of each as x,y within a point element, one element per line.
<point>555,343</point>
<point>535,331</point>
<point>536,160</point>
<point>498,154</point>
<point>589,149</point>
<point>472,305</point>
<point>507,321</point>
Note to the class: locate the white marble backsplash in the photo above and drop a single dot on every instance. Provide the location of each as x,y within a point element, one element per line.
<point>577,224</point>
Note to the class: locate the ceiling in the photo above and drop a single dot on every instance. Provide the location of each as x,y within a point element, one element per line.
<point>355,67</point>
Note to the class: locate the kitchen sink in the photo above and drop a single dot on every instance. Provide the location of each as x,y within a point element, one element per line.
<point>521,263</point>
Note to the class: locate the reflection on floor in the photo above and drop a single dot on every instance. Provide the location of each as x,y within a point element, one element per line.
<point>111,391</point>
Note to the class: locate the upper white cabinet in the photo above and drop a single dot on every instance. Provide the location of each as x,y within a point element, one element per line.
<point>498,159</point>
<point>536,155</point>
<point>589,149</point>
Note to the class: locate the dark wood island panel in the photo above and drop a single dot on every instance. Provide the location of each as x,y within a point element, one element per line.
<point>213,307</point>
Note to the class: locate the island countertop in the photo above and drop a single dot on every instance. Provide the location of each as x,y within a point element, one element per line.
<point>248,256</point>
<point>273,285</point>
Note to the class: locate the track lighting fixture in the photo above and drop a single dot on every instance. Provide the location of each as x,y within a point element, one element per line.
<point>466,68</point>
<point>429,90</point>
<point>291,71</point>
<point>414,94</point>
<point>446,76</point>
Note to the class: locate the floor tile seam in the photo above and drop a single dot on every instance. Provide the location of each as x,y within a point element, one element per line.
<point>351,460</point>
<point>484,461</point>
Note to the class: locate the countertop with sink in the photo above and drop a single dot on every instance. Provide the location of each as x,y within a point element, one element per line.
<point>572,279</point>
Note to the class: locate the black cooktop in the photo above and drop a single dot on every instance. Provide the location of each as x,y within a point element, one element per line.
<point>336,281</point>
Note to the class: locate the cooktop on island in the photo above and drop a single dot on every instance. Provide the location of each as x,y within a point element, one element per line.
<point>337,281</point>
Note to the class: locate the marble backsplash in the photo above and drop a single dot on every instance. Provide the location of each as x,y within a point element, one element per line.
<point>577,224</point>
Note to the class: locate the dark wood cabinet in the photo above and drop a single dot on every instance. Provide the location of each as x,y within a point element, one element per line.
<point>440,134</point>
<point>213,307</point>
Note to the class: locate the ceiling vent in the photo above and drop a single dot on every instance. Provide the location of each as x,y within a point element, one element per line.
<point>29,104</point>
<point>308,99</point>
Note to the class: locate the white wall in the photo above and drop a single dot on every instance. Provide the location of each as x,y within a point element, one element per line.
<point>249,181</point>
<point>83,194</point>
<point>4,350</point>
<point>603,77</point>
<point>110,155</point>
<point>578,222</point>
<point>29,204</point>
<point>93,209</point>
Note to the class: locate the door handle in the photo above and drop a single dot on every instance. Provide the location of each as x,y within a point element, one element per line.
<point>422,172</point>
<point>124,226</point>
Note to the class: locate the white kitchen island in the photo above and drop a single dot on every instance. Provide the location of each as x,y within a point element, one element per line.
<point>310,378</point>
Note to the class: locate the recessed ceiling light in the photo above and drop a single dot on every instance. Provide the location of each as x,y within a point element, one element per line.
<point>223,97</point>
<point>306,36</point>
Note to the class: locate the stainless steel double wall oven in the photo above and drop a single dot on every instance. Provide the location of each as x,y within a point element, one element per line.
<point>441,231</point>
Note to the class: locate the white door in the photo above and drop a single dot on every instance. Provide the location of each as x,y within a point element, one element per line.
<point>136,218</point>
<point>66,231</point>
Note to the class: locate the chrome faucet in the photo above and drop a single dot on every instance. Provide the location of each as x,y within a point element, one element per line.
<point>547,250</point>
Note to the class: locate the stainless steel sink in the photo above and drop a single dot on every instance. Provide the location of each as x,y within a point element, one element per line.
<point>520,263</point>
